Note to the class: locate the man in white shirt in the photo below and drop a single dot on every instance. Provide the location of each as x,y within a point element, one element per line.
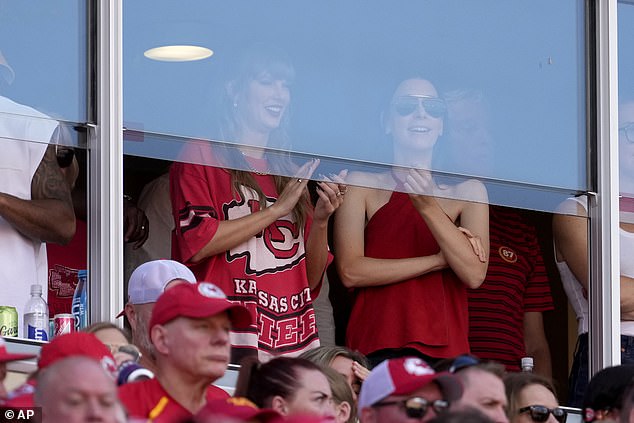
<point>35,200</point>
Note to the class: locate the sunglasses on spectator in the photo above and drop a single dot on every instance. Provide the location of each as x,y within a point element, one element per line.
<point>628,130</point>
<point>539,413</point>
<point>463,361</point>
<point>433,106</point>
<point>64,156</point>
<point>416,407</point>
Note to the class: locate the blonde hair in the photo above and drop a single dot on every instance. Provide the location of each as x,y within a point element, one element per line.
<point>341,391</point>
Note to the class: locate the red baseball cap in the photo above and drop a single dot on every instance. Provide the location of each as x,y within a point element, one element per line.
<point>77,343</point>
<point>238,408</point>
<point>6,356</point>
<point>197,301</point>
<point>402,376</point>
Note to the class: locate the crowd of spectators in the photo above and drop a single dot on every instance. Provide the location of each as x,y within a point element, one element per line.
<point>79,375</point>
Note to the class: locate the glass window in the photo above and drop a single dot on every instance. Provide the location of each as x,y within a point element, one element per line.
<point>572,237</point>
<point>500,89</point>
<point>44,53</point>
<point>626,110</point>
<point>511,75</point>
<point>43,122</point>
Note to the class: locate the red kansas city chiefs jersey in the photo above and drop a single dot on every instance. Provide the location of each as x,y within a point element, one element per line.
<point>267,273</point>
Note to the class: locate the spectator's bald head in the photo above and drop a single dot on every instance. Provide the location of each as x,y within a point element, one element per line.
<point>77,389</point>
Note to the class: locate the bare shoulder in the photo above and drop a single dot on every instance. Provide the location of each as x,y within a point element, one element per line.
<point>455,198</point>
<point>471,190</point>
<point>367,192</point>
<point>368,185</point>
<point>363,179</point>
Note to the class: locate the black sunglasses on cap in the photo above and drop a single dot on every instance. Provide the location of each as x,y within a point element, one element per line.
<point>433,106</point>
<point>539,413</point>
<point>416,407</point>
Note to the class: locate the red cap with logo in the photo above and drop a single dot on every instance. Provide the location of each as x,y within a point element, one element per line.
<point>77,343</point>
<point>402,376</point>
<point>197,301</point>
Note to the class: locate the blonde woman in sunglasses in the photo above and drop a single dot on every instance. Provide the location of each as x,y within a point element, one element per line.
<point>410,250</point>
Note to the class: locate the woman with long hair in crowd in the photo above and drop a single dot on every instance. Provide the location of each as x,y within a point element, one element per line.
<point>409,246</point>
<point>245,224</point>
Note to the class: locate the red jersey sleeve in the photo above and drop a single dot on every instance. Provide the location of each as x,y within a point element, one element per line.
<point>193,208</point>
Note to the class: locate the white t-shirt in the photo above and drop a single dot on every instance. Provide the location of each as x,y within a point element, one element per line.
<point>573,287</point>
<point>22,259</point>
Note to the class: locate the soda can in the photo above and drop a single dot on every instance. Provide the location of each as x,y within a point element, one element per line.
<point>63,323</point>
<point>8,321</point>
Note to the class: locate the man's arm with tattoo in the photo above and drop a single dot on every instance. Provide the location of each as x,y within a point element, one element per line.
<point>49,215</point>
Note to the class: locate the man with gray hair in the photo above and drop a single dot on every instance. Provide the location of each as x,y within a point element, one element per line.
<point>147,283</point>
<point>189,329</point>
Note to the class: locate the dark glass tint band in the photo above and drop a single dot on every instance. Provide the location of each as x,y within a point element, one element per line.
<point>416,407</point>
<point>539,413</point>
<point>433,106</point>
<point>628,130</point>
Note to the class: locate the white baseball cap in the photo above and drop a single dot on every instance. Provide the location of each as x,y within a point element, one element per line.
<point>148,281</point>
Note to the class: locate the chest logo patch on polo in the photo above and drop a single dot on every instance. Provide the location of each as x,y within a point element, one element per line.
<point>507,254</point>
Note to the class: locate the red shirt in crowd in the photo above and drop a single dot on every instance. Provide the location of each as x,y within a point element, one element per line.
<point>516,283</point>
<point>148,400</point>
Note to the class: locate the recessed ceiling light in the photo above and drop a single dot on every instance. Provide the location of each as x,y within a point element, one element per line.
<point>178,53</point>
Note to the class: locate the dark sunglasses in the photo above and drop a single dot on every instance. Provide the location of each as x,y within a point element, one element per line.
<point>64,156</point>
<point>433,106</point>
<point>416,407</point>
<point>539,413</point>
<point>462,362</point>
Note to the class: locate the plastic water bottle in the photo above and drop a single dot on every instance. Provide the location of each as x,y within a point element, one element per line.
<point>79,301</point>
<point>36,316</point>
<point>527,364</point>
